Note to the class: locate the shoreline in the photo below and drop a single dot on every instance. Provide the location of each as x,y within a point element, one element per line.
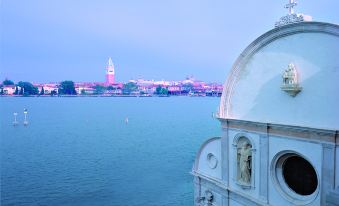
<point>92,96</point>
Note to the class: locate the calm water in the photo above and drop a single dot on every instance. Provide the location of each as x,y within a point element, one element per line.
<point>80,151</point>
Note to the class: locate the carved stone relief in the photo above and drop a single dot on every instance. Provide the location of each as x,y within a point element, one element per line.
<point>290,83</point>
<point>289,19</point>
<point>206,200</point>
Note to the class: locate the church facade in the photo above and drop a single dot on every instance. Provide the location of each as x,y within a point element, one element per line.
<point>279,116</point>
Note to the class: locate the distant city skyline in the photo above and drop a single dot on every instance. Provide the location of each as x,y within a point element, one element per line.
<point>56,40</point>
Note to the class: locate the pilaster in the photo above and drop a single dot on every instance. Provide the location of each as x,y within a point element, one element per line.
<point>264,167</point>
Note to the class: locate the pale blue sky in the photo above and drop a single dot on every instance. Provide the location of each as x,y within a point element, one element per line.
<point>54,40</point>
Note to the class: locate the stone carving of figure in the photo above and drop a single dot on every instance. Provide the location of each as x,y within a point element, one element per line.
<point>290,76</point>
<point>290,80</point>
<point>207,200</point>
<point>245,159</point>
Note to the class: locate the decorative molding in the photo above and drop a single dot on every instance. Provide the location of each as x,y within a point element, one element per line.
<point>290,19</point>
<point>204,177</point>
<point>244,125</point>
<point>303,132</point>
<point>324,136</point>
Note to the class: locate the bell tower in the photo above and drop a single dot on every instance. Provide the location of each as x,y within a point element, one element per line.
<point>110,72</point>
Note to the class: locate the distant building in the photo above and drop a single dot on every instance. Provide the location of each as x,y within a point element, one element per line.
<point>9,89</point>
<point>110,72</point>
<point>48,88</point>
<point>81,90</point>
<point>189,86</point>
<point>174,90</point>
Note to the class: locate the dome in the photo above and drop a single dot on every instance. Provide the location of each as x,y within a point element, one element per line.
<point>289,75</point>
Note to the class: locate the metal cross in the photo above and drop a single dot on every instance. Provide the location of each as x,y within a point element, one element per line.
<point>290,6</point>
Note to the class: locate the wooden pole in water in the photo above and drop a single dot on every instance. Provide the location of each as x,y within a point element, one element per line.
<point>25,121</point>
<point>15,123</point>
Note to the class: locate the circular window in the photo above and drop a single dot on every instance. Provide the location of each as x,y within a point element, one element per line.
<point>212,161</point>
<point>295,177</point>
<point>299,175</point>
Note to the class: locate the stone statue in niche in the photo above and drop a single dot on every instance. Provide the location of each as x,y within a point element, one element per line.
<point>244,158</point>
<point>290,81</point>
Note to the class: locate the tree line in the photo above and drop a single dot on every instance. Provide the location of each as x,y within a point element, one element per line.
<point>26,88</point>
<point>67,87</point>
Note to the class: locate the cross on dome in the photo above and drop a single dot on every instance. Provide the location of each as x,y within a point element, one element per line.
<point>290,5</point>
<point>292,17</point>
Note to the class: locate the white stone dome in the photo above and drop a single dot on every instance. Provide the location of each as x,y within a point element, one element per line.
<point>253,89</point>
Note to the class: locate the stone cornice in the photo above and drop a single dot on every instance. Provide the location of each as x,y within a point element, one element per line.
<point>310,134</point>
<point>213,180</point>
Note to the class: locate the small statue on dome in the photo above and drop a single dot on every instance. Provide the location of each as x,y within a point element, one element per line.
<point>290,81</point>
<point>290,75</point>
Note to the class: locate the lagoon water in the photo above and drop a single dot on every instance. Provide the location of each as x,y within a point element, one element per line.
<point>80,151</point>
